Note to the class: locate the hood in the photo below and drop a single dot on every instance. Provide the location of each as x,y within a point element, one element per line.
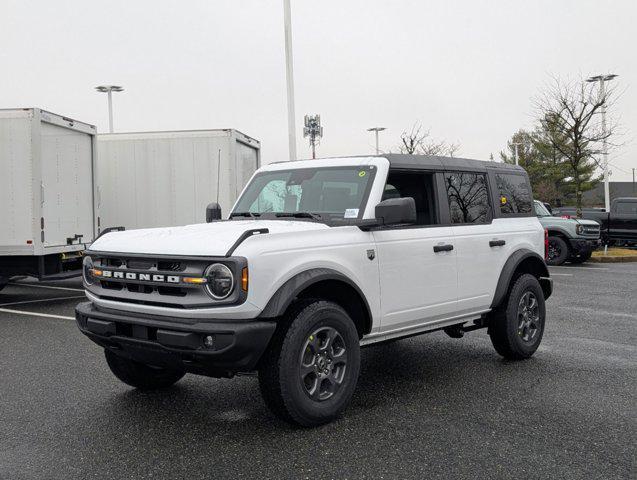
<point>566,221</point>
<point>204,239</point>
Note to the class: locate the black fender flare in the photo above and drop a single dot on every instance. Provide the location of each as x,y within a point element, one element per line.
<point>285,295</point>
<point>512,264</point>
<point>559,230</point>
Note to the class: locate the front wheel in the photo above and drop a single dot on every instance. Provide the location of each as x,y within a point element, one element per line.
<point>309,373</point>
<point>140,375</point>
<point>517,326</point>
<point>558,251</point>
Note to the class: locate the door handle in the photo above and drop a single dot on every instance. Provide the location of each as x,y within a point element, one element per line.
<point>443,248</point>
<point>496,243</point>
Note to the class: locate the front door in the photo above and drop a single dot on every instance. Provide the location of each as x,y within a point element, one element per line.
<point>418,272</point>
<point>418,279</point>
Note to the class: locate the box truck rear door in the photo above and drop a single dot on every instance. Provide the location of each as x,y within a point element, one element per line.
<point>67,179</point>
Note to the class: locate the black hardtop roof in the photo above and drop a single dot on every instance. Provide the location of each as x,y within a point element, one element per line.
<point>435,162</point>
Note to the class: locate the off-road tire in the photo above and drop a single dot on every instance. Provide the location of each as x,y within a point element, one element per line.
<point>280,378</point>
<point>504,324</point>
<point>582,258</point>
<point>562,248</point>
<point>139,375</point>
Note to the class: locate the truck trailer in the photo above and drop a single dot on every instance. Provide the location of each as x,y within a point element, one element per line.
<point>161,179</point>
<point>47,193</point>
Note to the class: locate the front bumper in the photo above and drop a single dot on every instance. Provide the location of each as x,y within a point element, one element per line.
<point>583,246</point>
<point>237,346</point>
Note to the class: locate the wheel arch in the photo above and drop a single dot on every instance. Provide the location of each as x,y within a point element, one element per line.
<point>559,232</point>
<point>327,284</point>
<point>520,262</point>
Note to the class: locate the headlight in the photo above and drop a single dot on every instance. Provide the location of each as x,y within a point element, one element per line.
<point>220,281</point>
<point>579,229</point>
<point>87,266</point>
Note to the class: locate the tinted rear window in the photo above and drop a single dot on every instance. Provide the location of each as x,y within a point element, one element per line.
<point>515,194</point>
<point>468,197</point>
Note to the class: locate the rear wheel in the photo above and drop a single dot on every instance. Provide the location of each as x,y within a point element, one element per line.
<point>140,375</point>
<point>309,373</point>
<point>517,326</point>
<point>558,251</point>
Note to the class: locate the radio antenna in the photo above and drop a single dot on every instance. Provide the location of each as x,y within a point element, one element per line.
<point>218,174</point>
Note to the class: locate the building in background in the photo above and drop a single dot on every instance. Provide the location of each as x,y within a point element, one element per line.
<point>595,197</point>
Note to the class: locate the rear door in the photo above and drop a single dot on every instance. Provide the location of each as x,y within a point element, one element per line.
<point>67,185</point>
<point>481,248</point>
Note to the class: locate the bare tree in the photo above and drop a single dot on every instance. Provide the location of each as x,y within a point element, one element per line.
<point>419,142</point>
<point>568,114</point>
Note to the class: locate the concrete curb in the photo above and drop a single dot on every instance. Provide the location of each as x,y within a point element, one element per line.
<point>613,259</point>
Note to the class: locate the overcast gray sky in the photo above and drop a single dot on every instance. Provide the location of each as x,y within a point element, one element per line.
<point>467,70</point>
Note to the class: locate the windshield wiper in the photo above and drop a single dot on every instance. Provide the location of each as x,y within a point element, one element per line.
<point>314,216</point>
<point>245,214</point>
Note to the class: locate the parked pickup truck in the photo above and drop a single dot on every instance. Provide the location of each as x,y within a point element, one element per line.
<point>618,227</point>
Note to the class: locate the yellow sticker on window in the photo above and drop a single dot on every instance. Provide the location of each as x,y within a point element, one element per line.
<point>362,173</point>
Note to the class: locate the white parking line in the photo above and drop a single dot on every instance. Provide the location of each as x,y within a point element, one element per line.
<point>581,268</point>
<point>41,300</point>
<point>36,314</point>
<point>46,286</point>
<point>561,274</point>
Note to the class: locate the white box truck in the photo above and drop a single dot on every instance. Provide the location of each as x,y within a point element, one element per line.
<point>161,179</point>
<point>47,192</point>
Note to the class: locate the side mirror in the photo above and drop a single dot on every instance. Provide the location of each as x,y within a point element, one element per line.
<point>396,210</point>
<point>213,212</point>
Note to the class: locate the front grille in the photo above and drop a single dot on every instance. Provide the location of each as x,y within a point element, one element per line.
<point>591,230</point>
<point>158,280</point>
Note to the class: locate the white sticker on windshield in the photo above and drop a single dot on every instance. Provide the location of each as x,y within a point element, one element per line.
<point>351,213</point>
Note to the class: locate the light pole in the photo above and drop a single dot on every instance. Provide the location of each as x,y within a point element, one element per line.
<point>516,145</point>
<point>602,93</point>
<point>376,130</point>
<point>289,77</point>
<point>109,89</point>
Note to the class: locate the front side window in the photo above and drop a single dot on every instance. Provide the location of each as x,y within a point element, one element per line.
<point>541,210</point>
<point>330,192</point>
<point>515,194</point>
<point>627,208</point>
<point>468,197</point>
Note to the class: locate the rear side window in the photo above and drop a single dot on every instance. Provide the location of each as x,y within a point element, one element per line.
<point>515,194</point>
<point>468,197</point>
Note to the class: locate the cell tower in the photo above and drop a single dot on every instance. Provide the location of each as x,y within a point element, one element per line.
<point>313,130</point>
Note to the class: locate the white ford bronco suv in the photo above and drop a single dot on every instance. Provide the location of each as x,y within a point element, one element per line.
<point>316,259</point>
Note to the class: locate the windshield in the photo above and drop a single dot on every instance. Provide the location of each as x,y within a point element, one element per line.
<point>540,210</point>
<point>319,193</point>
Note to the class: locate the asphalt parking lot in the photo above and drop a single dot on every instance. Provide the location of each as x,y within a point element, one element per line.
<point>425,407</point>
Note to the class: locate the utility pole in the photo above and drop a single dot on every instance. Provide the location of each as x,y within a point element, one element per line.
<point>289,77</point>
<point>376,130</point>
<point>313,129</point>
<point>602,94</point>
<point>109,89</point>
